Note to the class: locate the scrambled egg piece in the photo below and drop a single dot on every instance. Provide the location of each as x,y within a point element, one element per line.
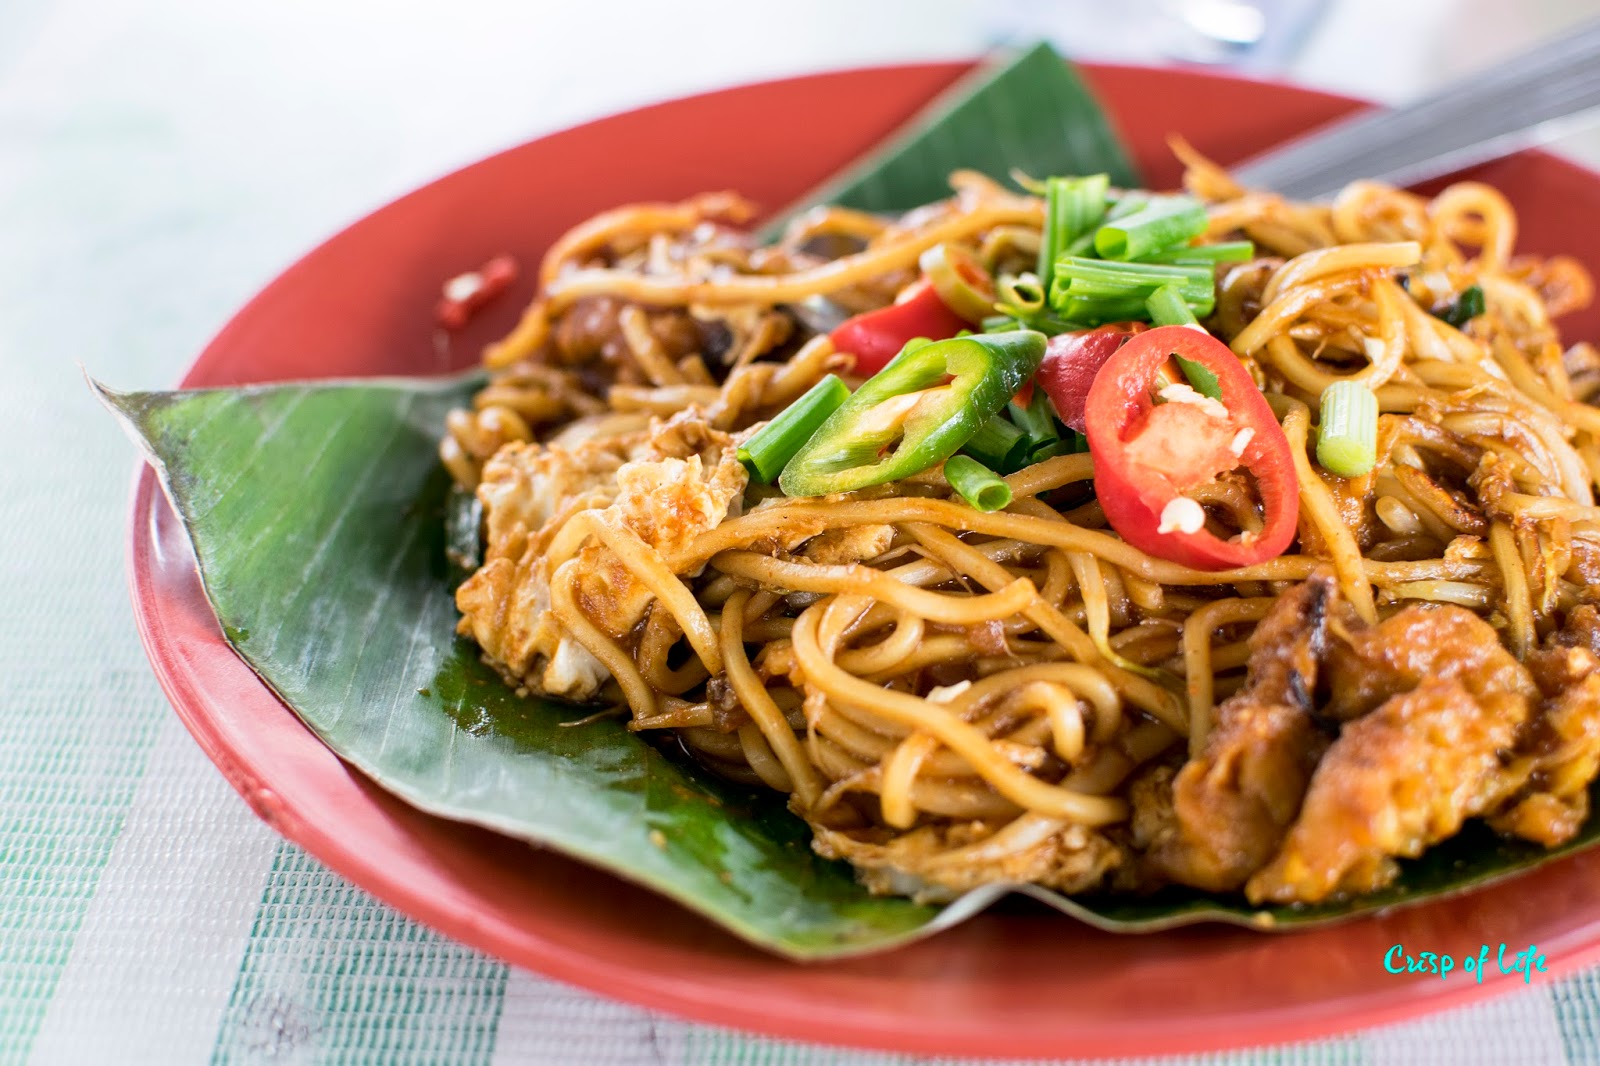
<point>666,485</point>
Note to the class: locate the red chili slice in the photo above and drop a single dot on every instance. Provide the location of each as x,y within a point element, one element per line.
<point>1071,361</point>
<point>875,337</point>
<point>466,293</point>
<point>1146,455</point>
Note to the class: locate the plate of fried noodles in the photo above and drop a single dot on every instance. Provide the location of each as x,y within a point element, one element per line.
<point>1159,549</point>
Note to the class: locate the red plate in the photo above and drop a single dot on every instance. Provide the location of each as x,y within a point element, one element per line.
<point>1021,983</point>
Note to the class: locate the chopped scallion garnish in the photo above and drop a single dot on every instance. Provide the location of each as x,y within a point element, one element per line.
<point>999,444</point>
<point>1073,443</point>
<point>1073,207</point>
<point>1021,301</point>
<point>1095,290</point>
<point>1167,308</point>
<point>1347,439</point>
<point>1464,308</point>
<point>1203,254</point>
<point>1037,419</point>
<point>1164,221</point>
<point>976,483</point>
<point>1130,201</point>
<point>1097,311</point>
<point>1022,294</point>
<point>774,444</point>
<point>1201,378</point>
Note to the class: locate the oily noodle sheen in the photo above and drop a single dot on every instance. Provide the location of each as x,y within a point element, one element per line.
<point>953,697</point>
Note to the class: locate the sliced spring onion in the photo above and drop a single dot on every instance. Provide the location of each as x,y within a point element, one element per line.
<point>960,280</point>
<point>1098,277</point>
<point>1022,293</point>
<point>1161,223</point>
<point>1083,246</point>
<point>1097,312</point>
<point>1129,202</point>
<point>1042,322</point>
<point>1073,443</point>
<point>1466,307</point>
<point>976,483</point>
<point>1092,291</point>
<point>1083,243</point>
<point>1198,254</point>
<point>999,444</point>
<point>1022,304</point>
<point>1347,439</point>
<point>1201,378</point>
<point>775,443</point>
<point>1132,275</point>
<point>1037,419</point>
<point>1167,308</point>
<point>1073,207</point>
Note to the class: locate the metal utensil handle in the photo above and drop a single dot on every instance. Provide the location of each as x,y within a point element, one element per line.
<point>1478,117</point>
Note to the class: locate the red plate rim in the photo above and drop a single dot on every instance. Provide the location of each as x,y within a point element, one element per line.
<point>176,642</point>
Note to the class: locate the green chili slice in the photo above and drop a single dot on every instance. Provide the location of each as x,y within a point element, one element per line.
<point>914,413</point>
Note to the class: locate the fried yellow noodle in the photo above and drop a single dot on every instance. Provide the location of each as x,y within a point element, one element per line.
<point>951,697</point>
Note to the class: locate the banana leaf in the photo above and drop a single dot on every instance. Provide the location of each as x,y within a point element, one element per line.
<point>333,577</point>
<point>1030,112</point>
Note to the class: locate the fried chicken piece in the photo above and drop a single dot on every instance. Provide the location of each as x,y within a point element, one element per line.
<point>1368,665</point>
<point>1232,805</point>
<point>1564,756</point>
<point>665,486</point>
<point>1560,751</point>
<point>936,863</point>
<point>1397,781</point>
<point>1570,654</point>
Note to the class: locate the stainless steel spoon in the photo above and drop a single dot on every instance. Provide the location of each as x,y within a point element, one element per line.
<point>1526,100</point>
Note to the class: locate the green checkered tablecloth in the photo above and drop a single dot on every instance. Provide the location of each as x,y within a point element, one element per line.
<point>158,163</point>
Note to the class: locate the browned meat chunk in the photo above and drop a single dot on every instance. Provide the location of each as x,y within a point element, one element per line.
<point>1563,757</point>
<point>1560,752</point>
<point>1571,654</point>
<point>1368,665</point>
<point>1232,805</point>
<point>1433,708</point>
<point>1397,781</point>
<point>589,333</point>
